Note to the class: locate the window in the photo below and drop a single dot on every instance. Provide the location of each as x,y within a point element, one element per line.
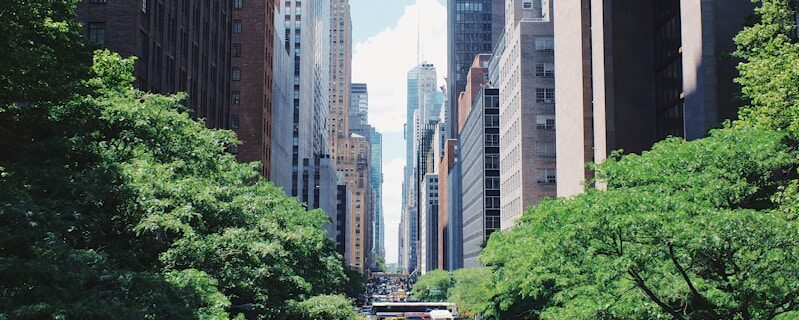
<point>493,203</point>
<point>545,122</point>
<point>546,69</point>
<point>544,43</point>
<point>493,222</point>
<point>234,122</point>
<point>545,95</point>
<point>97,1</point>
<point>492,140</point>
<point>237,50</point>
<point>236,97</point>
<point>527,4</point>
<point>236,74</point>
<point>547,176</point>
<point>546,150</point>
<point>97,33</point>
<point>237,4</point>
<point>237,26</point>
<point>492,162</point>
<point>144,6</point>
<point>492,183</point>
<point>492,120</point>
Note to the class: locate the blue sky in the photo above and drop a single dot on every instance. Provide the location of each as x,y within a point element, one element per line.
<point>384,49</point>
<point>372,16</point>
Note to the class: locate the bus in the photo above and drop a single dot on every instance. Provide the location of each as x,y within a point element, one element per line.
<point>413,310</point>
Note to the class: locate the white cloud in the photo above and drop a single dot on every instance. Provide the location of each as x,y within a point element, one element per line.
<point>392,204</point>
<point>383,60</point>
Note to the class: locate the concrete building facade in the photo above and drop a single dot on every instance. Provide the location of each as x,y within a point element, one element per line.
<point>282,110</point>
<point>307,30</point>
<point>630,74</point>
<point>481,163</point>
<point>181,47</point>
<point>527,108</point>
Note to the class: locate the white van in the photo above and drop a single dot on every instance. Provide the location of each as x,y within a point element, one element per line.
<point>441,315</point>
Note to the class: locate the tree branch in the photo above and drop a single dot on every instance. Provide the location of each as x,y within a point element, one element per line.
<point>652,296</point>
<point>684,274</point>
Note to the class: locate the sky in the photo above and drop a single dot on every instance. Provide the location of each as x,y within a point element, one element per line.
<point>384,49</point>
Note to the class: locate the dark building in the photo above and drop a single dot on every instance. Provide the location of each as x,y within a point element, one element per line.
<point>631,73</point>
<point>343,207</point>
<point>480,154</point>
<point>181,45</point>
<point>473,27</point>
<point>253,50</point>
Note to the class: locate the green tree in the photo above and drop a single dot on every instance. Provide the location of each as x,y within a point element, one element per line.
<point>685,231</point>
<point>472,291</point>
<point>116,195</point>
<point>432,286</point>
<point>44,58</point>
<point>327,307</point>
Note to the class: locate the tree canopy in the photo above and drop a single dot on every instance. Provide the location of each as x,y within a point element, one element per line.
<point>115,204</point>
<point>432,286</point>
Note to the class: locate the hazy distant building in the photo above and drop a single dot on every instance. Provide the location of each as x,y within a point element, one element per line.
<point>480,189</point>
<point>376,175</point>
<point>632,73</point>
<point>359,102</point>
<point>527,108</point>
<point>180,47</point>
<point>473,27</point>
<point>422,98</point>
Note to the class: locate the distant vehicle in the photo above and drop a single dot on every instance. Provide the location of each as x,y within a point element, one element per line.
<point>441,315</point>
<point>412,310</point>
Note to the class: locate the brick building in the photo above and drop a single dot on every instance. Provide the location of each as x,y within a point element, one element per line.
<point>181,45</point>
<point>253,49</point>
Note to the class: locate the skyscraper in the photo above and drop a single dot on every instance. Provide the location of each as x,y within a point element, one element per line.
<point>308,35</point>
<point>340,73</point>
<point>376,174</point>
<point>473,27</point>
<point>422,90</point>
<point>179,48</point>
<point>632,73</point>
<point>527,108</point>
